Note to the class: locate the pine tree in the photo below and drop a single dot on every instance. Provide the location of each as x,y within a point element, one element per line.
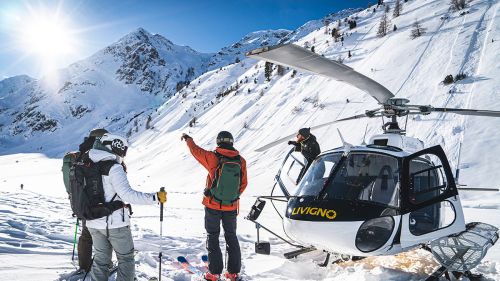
<point>326,22</point>
<point>313,49</point>
<point>394,28</point>
<point>397,9</point>
<point>383,27</point>
<point>417,30</point>
<point>148,122</point>
<point>280,70</point>
<point>458,4</point>
<point>335,34</point>
<point>369,4</point>
<point>268,70</point>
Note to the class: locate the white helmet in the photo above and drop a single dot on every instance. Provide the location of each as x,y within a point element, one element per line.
<point>115,143</point>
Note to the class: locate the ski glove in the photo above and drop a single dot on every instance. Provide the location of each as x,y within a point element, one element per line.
<point>185,137</point>
<point>162,196</point>
<point>292,143</point>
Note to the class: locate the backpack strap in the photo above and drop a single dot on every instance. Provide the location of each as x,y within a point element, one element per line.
<point>105,166</point>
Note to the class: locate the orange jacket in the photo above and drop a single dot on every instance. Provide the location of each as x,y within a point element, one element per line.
<point>210,161</point>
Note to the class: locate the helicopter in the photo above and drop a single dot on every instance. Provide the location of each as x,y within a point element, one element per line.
<point>383,197</point>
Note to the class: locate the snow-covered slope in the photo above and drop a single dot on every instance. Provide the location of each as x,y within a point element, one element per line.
<point>237,97</point>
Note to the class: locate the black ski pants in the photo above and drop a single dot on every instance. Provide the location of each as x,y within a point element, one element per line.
<point>213,220</point>
<point>85,248</point>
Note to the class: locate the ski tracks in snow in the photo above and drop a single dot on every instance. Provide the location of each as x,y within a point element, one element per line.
<point>469,64</point>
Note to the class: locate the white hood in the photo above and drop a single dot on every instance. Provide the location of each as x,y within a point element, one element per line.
<point>100,155</point>
<point>116,182</point>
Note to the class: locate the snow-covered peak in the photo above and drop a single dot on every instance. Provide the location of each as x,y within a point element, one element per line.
<point>14,83</point>
<point>251,41</point>
<point>313,25</point>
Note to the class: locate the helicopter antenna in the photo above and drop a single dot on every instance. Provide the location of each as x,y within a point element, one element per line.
<point>347,146</point>
<point>364,136</point>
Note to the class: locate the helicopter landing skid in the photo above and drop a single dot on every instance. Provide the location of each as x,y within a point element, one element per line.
<point>461,252</point>
<point>338,259</point>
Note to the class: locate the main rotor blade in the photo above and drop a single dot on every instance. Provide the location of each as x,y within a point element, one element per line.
<point>475,112</point>
<point>478,189</point>
<point>284,139</point>
<point>300,58</point>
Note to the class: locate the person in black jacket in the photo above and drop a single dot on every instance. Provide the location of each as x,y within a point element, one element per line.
<point>307,144</point>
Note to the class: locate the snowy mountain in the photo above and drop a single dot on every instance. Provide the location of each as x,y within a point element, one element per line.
<point>252,41</point>
<point>134,75</point>
<point>257,109</point>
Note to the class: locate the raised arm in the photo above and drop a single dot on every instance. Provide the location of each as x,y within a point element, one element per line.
<point>201,155</point>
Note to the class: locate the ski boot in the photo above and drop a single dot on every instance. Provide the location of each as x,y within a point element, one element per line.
<point>232,276</point>
<point>211,277</point>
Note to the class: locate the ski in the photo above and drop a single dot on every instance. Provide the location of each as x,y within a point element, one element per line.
<point>189,267</point>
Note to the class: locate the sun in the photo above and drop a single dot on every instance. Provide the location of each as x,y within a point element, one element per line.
<point>42,35</point>
<point>46,38</point>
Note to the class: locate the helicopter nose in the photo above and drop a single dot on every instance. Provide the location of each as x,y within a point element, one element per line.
<point>356,238</point>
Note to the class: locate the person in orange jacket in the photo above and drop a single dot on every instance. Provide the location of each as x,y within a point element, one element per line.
<point>226,181</point>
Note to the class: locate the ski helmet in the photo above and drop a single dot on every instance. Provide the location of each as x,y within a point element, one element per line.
<point>224,137</point>
<point>117,144</point>
<point>305,132</point>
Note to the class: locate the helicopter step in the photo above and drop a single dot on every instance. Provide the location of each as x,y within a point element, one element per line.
<point>296,253</point>
<point>459,253</point>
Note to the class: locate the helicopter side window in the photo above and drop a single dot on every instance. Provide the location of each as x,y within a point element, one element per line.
<point>294,170</point>
<point>367,177</point>
<point>316,175</point>
<point>427,179</point>
<point>431,218</point>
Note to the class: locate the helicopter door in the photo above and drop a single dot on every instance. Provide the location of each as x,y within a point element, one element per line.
<point>430,204</point>
<point>289,174</point>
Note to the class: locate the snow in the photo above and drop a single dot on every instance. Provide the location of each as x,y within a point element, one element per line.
<point>36,228</point>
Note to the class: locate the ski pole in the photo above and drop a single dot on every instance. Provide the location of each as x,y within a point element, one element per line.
<point>161,235</point>
<point>74,241</point>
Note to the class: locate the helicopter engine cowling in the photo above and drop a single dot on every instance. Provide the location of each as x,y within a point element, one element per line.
<point>403,142</point>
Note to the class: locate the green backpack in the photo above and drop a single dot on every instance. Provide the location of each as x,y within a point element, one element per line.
<point>225,188</point>
<point>68,160</point>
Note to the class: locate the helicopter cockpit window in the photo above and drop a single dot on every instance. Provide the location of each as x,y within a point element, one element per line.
<point>363,176</point>
<point>316,175</point>
<point>367,177</point>
<point>427,179</point>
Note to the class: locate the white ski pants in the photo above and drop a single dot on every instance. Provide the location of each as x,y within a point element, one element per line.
<point>119,240</point>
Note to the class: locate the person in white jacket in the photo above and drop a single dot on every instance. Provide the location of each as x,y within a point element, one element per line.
<point>113,232</point>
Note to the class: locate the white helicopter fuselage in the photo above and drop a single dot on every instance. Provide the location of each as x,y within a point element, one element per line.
<point>366,209</point>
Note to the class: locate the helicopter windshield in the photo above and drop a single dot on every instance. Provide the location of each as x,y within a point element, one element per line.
<point>362,177</point>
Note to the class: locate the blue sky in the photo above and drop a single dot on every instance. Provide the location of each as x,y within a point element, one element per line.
<point>206,26</point>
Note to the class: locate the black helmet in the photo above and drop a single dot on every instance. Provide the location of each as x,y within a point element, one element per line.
<point>224,137</point>
<point>98,133</point>
<point>305,132</point>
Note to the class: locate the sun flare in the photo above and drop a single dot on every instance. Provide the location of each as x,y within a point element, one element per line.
<point>44,35</point>
<point>46,38</point>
